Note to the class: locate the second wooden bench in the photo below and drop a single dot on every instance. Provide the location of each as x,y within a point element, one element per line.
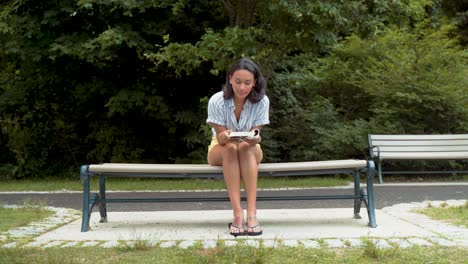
<point>417,147</point>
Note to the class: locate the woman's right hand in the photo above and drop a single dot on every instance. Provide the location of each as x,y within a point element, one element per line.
<point>223,137</point>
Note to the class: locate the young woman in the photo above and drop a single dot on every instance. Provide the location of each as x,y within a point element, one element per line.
<point>241,106</point>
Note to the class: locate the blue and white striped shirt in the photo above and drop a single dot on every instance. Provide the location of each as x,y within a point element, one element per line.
<point>221,112</point>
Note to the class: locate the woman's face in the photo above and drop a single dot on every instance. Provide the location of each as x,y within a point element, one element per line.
<point>242,82</point>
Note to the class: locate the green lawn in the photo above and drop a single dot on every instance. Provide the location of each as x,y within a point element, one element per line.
<point>456,215</point>
<point>54,184</point>
<point>135,184</point>
<point>238,254</point>
<point>16,217</point>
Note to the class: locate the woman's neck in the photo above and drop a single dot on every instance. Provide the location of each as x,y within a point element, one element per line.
<point>239,102</point>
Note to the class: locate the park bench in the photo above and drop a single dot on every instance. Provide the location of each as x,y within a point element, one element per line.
<point>417,147</point>
<point>103,171</point>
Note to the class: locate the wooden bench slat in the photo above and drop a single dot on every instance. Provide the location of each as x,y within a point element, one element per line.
<point>420,143</point>
<point>419,137</point>
<point>424,155</point>
<point>313,165</point>
<point>383,149</point>
<point>154,168</point>
<point>205,168</point>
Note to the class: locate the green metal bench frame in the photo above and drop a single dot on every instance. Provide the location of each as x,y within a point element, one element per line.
<point>354,167</point>
<point>417,147</point>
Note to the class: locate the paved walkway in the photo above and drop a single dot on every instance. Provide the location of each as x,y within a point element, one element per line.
<point>398,226</point>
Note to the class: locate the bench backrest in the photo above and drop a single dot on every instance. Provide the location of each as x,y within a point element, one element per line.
<point>419,146</point>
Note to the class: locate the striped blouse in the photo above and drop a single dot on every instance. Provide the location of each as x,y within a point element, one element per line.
<point>221,112</point>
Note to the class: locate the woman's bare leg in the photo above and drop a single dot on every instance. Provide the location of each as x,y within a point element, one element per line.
<point>228,157</point>
<point>249,158</point>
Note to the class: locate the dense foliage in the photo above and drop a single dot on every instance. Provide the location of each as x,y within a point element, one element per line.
<point>86,81</point>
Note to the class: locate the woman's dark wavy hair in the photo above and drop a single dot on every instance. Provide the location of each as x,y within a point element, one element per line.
<point>258,91</point>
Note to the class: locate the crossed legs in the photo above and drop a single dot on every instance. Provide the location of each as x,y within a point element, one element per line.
<point>240,163</point>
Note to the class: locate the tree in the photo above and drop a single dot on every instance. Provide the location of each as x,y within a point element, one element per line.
<point>288,38</point>
<point>457,10</point>
<point>115,80</point>
<point>82,89</point>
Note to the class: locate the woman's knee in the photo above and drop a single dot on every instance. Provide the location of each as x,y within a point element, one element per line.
<point>245,149</point>
<point>230,149</point>
<point>230,152</point>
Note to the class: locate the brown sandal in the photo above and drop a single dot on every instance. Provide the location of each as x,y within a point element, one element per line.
<point>240,228</point>
<point>253,233</point>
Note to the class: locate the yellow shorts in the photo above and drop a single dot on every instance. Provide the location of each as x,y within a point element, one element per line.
<point>214,142</point>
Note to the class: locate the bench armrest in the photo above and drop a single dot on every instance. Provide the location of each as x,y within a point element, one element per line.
<point>372,152</point>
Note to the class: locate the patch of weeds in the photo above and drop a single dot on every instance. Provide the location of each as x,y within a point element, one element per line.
<point>197,245</point>
<point>136,245</point>
<point>322,243</point>
<point>395,244</point>
<point>211,255</point>
<point>277,242</point>
<point>347,243</point>
<point>138,242</point>
<point>370,249</point>
<point>250,254</point>
<point>219,243</point>
<point>177,243</point>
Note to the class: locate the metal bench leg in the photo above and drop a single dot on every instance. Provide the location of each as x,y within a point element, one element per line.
<point>102,196</point>
<point>379,170</point>
<point>357,201</point>
<point>84,175</point>
<point>370,194</point>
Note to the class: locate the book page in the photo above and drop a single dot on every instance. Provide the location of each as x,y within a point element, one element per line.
<point>244,134</point>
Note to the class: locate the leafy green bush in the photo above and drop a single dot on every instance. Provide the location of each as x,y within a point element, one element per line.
<point>7,172</point>
<point>410,81</point>
<point>403,81</point>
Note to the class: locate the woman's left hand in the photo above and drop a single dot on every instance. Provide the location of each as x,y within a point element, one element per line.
<point>253,141</point>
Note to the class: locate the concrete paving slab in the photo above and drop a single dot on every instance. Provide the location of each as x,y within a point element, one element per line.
<point>284,224</point>
<point>270,243</point>
<point>310,244</point>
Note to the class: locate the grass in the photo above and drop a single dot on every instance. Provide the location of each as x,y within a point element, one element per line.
<point>456,215</point>
<point>141,251</point>
<point>426,178</point>
<point>55,184</point>
<point>152,184</point>
<point>235,254</point>
<point>16,217</point>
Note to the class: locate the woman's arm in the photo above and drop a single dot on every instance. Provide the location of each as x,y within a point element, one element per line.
<point>257,139</point>
<point>222,133</point>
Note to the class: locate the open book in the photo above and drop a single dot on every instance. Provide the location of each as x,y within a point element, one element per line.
<point>244,134</point>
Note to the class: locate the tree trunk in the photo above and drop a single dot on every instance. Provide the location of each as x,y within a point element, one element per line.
<point>241,12</point>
